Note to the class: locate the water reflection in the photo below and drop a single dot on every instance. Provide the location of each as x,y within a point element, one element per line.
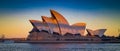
<point>58,47</point>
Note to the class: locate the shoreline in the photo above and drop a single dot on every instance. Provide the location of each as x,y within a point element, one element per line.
<point>56,42</point>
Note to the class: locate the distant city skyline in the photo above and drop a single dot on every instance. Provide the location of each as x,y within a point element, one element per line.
<point>15,14</point>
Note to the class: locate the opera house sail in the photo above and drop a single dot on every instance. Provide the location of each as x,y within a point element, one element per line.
<point>56,27</point>
<point>99,32</point>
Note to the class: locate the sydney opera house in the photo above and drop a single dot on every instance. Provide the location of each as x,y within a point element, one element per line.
<point>56,27</point>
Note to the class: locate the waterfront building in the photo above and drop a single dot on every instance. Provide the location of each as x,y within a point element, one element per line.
<point>56,27</point>
<point>98,32</point>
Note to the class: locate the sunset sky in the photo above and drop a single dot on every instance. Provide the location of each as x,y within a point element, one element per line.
<point>97,14</point>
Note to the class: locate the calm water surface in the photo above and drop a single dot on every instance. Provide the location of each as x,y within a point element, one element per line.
<point>59,47</point>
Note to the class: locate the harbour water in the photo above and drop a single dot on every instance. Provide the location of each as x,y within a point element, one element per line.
<point>60,47</point>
